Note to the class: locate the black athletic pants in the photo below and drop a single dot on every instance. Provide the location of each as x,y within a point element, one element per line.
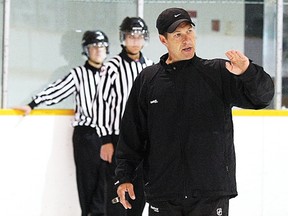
<point>89,171</point>
<point>191,207</point>
<point>111,192</point>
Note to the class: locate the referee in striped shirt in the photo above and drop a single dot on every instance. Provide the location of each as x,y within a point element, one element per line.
<point>83,83</point>
<point>121,72</point>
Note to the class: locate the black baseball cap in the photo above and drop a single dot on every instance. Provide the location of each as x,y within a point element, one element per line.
<point>170,18</point>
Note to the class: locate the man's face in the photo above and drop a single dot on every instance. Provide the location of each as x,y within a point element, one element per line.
<point>134,42</point>
<point>97,53</point>
<point>180,43</point>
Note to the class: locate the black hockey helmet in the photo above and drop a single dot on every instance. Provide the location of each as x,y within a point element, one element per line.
<point>133,25</point>
<point>97,37</point>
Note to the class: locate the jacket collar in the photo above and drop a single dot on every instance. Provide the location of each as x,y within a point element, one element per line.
<point>180,64</point>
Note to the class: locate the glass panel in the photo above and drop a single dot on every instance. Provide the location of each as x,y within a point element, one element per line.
<point>45,41</point>
<point>45,36</point>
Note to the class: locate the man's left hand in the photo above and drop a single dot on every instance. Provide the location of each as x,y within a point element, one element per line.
<point>238,62</point>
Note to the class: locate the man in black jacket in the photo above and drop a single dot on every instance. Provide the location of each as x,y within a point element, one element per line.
<point>178,121</point>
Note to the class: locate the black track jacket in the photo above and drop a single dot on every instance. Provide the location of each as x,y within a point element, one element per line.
<point>178,121</point>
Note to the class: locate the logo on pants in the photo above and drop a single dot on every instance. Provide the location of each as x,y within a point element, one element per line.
<point>219,211</point>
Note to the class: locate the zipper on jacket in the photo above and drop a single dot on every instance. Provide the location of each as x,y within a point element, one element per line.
<point>180,103</point>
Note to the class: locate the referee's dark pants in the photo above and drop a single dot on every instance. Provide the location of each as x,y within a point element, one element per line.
<point>90,178</point>
<point>111,192</point>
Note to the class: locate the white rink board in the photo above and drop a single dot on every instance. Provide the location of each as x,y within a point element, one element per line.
<point>38,174</point>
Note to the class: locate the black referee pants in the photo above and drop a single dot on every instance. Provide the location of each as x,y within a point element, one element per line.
<point>89,171</point>
<point>111,192</point>
<point>209,206</point>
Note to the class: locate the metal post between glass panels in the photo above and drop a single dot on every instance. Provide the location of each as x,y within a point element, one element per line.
<point>5,52</point>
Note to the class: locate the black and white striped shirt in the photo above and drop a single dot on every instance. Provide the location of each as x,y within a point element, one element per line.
<point>121,71</point>
<point>83,82</point>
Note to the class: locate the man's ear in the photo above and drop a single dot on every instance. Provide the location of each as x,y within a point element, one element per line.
<point>163,39</point>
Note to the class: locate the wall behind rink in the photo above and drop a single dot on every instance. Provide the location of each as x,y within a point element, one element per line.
<point>38,175</point>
